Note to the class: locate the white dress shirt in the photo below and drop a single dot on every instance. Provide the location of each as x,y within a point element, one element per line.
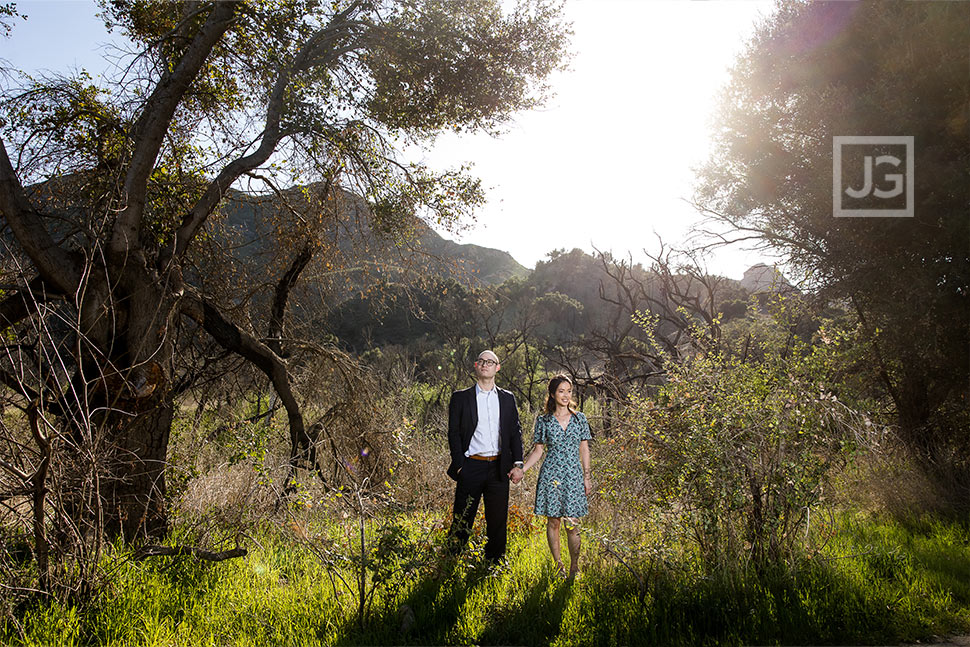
<point>485,440</point>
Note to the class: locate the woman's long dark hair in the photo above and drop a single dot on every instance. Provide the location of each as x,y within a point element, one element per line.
<point>551,400</point>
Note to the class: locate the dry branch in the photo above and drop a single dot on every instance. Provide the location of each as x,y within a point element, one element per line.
<point>189,551</point>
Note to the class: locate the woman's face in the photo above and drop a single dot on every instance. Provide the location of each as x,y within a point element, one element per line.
<point>564,393</point>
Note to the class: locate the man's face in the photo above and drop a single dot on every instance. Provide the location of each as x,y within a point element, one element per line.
<point>487,365</point>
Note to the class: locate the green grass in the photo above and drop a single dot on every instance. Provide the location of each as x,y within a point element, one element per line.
<point>876,581</point>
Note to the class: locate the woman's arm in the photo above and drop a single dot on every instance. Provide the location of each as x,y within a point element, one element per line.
<point>533,458</point>
<point>584,459</point>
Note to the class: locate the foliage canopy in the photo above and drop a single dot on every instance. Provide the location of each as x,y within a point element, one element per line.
<point>814,71</point>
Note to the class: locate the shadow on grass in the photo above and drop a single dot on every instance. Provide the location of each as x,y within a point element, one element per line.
<point>818,604</point>
<point>431,612</point>
<point>882,590</point>
<point>536,619</point>
<point>425,615</point>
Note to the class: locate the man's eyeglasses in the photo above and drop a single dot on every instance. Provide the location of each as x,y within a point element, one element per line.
<point>487,362</point>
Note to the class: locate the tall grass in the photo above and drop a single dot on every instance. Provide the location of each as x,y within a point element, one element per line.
<point>875,581</point>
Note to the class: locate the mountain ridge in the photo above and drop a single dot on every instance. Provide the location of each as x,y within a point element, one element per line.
<point>366,239</point>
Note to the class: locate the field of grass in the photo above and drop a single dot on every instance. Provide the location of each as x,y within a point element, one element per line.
<point>875,581</point>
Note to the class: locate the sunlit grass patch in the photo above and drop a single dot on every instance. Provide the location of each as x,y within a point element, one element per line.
<point>875,581</point>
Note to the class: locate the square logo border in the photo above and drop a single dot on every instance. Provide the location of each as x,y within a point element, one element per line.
<point>840,140</point>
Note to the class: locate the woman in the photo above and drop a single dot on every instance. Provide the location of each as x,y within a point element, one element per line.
<point>564,481</point>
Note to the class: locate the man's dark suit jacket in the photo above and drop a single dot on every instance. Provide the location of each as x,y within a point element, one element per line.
<point>463,418</point>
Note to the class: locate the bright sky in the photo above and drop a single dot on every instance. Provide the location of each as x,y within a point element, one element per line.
<point>606,163</point>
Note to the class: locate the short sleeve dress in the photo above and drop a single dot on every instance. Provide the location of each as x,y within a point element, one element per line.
<point>559,491</point>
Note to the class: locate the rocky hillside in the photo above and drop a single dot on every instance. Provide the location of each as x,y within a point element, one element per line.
<point>762,278</point>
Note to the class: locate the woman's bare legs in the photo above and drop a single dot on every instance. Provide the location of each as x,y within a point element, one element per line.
<point>552,536</point>
<point>574,542</point>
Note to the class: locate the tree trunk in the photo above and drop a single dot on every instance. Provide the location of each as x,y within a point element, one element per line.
<point>134,491</point>
<point>133,397</point>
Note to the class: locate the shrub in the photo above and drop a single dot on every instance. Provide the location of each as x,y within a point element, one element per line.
<point>737,454</point>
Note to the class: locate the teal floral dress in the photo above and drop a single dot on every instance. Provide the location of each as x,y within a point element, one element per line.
<point>560,492</point>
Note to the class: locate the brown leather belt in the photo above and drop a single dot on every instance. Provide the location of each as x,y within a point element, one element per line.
<point>484,458</point>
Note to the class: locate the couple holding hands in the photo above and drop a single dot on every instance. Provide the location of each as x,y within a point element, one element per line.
<point>485,440</point>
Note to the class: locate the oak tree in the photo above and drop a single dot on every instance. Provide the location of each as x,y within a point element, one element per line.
<point>818,70</point>
<point>106,188</point>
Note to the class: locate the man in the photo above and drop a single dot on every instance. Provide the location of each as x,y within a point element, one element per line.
<point>486,451</point>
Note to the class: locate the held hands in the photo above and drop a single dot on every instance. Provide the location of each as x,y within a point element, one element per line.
<point>516,474</point>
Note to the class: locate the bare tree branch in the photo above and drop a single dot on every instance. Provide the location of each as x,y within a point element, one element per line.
<point>232,337</point>
<point>189,551</point>
<point>23,303</point>
<point>274,333</point>
<point>53,263</point>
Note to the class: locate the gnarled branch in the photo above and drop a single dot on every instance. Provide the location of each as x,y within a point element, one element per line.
<point>310,55</point>
<point>153,124</point>
<point>233,338</point>
<point>53,263</point>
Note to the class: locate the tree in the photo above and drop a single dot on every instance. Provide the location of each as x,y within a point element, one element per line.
<point>633,321</point>
<point>814,71</point>
<point>106,190</point>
